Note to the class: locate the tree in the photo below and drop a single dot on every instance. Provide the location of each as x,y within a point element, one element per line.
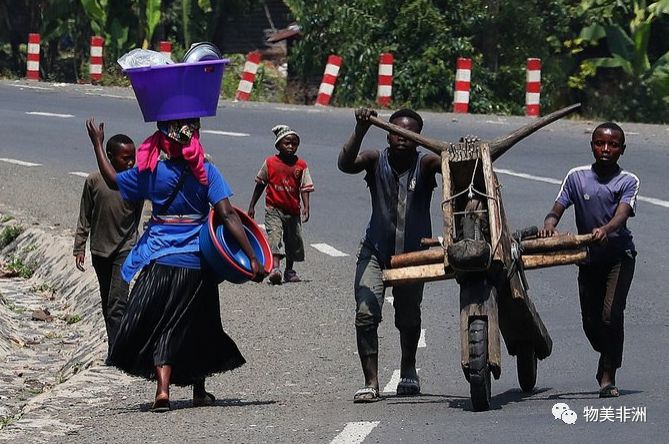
<point>626,31</point>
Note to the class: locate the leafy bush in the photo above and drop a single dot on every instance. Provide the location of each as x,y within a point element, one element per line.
<point>9,234</point>
<point>22,269</point>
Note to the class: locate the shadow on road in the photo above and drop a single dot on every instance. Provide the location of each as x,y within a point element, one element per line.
<point>586,395</point>
<point>464,402</point>
<point>188,404</point>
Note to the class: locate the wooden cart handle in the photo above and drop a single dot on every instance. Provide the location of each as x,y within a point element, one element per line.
<point>498,146</point>
<point>436,146</point>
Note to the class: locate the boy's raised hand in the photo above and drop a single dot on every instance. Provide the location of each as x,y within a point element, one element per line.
<point>97,135</point>
<point>362,116</point>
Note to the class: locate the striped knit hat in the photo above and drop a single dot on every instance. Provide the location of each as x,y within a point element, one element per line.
<point>281,131</point>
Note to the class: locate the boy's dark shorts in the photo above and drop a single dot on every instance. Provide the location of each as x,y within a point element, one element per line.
<point>284,232</point>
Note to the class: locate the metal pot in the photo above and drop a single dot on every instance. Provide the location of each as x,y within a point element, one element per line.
<point>202,51</point>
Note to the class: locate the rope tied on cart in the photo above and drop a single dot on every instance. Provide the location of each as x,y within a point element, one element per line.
<point>471,191</point>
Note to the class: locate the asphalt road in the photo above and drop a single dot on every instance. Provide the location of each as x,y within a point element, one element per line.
<point>299,339</point>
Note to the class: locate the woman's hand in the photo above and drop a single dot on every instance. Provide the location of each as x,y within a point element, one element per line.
<point>258,271</point>
<point>97,135</point>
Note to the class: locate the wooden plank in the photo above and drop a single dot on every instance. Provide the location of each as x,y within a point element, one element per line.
<point>534,261</point>
<point>556,243</point>
<point>430,242</point>
<point>494,219</point>
<point>417,258</point>
<point>447,205</point>
<point>435,271</point>
<point>479,300</point>
<point>419,273</point>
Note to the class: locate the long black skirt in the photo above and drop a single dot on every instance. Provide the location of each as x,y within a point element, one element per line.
<point>173,317</point>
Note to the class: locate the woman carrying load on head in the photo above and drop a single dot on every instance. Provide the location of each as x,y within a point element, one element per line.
<point>171,330</point>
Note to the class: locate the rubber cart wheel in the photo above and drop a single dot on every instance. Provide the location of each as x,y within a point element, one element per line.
<point>526,363</point>
<point>479,371</point>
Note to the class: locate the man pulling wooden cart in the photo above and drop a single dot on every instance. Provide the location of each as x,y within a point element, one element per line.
<point>487,259</point>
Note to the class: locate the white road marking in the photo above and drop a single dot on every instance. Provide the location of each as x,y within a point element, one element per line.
<point>225,133</point>
<point>355,432</point>
<point>650,200</point>
<point>528,176</point>
<point>391,387</point>
<point>421,340</point>
<point>20,162</point>
<point>327,249</point>
<point>78,173</point>
<point>115,96</point>
<point>29,86</point>
<point>39,113</point>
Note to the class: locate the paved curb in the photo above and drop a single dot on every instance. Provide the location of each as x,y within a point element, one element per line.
<point>83,342</point>
<point>42,419</point>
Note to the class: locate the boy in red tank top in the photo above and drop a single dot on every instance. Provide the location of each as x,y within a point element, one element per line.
<point>287,179</point>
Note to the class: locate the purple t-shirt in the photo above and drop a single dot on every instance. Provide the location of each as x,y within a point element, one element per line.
<point>596,199</point>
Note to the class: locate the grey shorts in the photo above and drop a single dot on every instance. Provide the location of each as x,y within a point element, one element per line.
<point>369,294</point>
<point>284,232</point>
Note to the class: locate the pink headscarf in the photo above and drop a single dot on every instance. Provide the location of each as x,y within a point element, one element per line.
<point>193,153</point>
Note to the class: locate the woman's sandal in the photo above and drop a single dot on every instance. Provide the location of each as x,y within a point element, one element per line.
<point>161,405</point>
<point>367,394</point>
<point>207,400</point>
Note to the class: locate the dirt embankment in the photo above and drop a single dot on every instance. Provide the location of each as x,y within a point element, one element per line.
<point>51,326</point>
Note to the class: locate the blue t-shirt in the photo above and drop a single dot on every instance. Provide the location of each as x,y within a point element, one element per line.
<point>595,201</point>
<point>172,236</point>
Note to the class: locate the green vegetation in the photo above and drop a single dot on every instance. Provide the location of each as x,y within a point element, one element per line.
<point>607,54</point>
<point>21,268</point>
<point>43,288</point>
<point>73,319</point>
<point>4,422</point>
<point>13,307</point>
<point>9,234</point>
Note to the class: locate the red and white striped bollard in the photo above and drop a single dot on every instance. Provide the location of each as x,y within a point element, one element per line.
<point>32,68</point>
<point>385,89</point>
<point>533,88</point>
<point>248,76</point>
<point>166,49</point>
<point>463,76</point>
<point>97,43</point>
<point>329,79</point>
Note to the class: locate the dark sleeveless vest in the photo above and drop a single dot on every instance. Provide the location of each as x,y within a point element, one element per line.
<point>400,208</point>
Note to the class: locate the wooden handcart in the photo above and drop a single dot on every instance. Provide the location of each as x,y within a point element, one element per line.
<point>487,260</point>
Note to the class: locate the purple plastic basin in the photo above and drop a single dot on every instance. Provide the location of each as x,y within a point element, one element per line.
<point>178,91</point>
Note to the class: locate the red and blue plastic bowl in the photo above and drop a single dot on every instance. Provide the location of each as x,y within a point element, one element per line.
<point>225,256</point>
